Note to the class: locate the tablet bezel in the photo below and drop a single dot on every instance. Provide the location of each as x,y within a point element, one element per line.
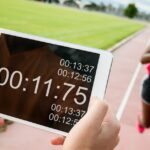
<point>101,77</point>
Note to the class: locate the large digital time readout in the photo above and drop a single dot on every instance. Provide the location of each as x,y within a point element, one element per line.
<point>45,83</point>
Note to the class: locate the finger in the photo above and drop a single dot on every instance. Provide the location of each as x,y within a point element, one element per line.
<point>91,102</point>
<point>110,122</point>
<point>58,140</point>
<point>116,142</point>
<point>95,115</point>
<point>110,128</point>
<point>2,122</point>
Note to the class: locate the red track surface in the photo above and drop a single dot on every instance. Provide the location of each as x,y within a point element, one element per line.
<point>126,60</point>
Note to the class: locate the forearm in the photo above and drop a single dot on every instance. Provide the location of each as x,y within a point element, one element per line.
<point>145,59</point>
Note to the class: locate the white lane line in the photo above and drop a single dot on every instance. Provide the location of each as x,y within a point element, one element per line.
<point>128,92</point>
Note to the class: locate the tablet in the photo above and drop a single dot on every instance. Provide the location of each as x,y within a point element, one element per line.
<point>48,84</point>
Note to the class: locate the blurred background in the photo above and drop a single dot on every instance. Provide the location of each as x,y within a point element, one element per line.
<point>94,23</point>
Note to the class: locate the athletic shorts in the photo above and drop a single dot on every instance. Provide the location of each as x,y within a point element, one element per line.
<point>146,90</point>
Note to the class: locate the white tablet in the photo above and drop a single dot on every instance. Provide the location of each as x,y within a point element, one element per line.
<point>46,83</point>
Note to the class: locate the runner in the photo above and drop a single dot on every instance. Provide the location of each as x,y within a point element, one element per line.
<point>144,118</point>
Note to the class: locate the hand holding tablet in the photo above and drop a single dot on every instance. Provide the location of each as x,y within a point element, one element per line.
<point>48,84</point>
<point>98,129</point>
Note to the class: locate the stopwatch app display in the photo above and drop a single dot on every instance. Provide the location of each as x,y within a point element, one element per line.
<point>44,83</point>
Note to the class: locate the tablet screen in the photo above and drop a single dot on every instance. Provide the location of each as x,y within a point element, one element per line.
<point>44,83</point>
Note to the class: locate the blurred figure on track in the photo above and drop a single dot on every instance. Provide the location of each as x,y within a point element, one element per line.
<point>144,118</point>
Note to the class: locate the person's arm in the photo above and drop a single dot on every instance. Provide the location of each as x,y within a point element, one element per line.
<point>146,56</point>
<point>97,130</point>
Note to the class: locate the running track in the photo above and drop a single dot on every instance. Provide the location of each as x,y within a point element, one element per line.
<point>122,94</point>
<point>123,91</point>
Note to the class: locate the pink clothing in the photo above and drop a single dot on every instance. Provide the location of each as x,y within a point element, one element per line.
<point>148,69</point>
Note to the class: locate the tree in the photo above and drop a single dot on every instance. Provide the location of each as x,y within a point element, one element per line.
<point>71,3</point>
<point>92,6</point>
<point>131,11</point>
<point>55,1</point>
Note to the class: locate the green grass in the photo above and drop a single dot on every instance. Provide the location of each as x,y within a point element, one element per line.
<point>65,24</point>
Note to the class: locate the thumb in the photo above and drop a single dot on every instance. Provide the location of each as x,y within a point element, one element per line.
<point>95,115</point>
